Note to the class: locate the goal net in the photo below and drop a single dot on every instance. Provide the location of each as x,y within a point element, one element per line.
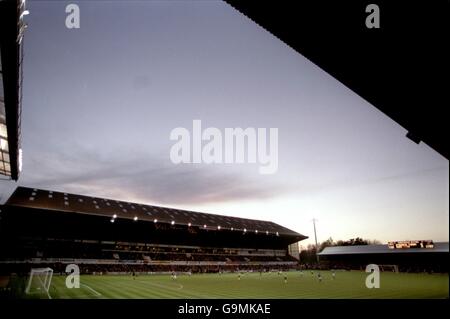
<point>389,268</point>
<point>39,281</point>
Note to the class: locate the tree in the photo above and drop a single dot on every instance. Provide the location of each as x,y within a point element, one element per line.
<point>327,243</point>
<point>308,255</point>
<point>355,242</point>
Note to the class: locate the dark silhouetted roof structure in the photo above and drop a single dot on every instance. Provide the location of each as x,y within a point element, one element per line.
<point>400,68</point>
<point>64,202</point>
<point>12,28</point>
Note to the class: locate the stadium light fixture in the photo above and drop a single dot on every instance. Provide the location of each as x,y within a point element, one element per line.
<point>114,216</point>
<point>189,224</point>
<point>256,231</point>
<point>204,226</point>
<point>218,227</point>
<point>135,218</point>
<point>3,144</point>
<point>155,220</point>
<point>245,230</point>
<point>20,159</point>
<point>24,13</point>
<point>172,222</point>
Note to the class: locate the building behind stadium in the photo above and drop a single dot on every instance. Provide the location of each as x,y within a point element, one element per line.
<point>398,256</point>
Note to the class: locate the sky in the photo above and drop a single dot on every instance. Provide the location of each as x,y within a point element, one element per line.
<point>100,102</point>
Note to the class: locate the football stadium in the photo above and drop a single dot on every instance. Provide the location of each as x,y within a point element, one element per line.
<point>86,136</point>
<point>131,250</point>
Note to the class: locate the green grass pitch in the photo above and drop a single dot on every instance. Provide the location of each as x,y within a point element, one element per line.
<point>347,284</point>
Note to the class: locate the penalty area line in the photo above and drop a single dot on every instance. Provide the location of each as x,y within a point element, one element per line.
<point>91,289</point>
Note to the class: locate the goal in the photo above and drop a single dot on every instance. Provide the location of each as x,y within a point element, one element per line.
<point>389,268</point>
<point>39,281</point>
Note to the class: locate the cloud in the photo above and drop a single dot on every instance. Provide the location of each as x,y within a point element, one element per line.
<point>140,177</point>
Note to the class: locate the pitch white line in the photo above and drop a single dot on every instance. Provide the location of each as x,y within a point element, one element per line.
<point>162,285</point>
<point>91,289</point>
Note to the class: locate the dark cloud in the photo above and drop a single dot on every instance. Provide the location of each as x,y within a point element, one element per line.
<point>140,177</point>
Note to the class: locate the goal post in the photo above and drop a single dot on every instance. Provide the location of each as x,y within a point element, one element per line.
<point>39,281</point>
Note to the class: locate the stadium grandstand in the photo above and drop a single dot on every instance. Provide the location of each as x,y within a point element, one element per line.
<point>41,228</point>
<point>12,29</point>
<point>404,256</point>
